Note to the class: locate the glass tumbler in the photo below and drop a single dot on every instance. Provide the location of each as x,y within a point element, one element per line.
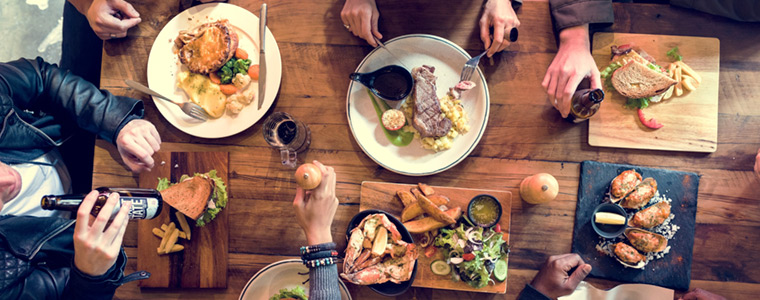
<point>290,136</point>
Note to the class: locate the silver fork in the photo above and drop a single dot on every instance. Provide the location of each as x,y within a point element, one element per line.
<point>189,108</point>
<point>470,66</point>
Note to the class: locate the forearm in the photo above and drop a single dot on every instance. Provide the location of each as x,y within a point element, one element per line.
<point>575,36</point>
<point>82,5</point>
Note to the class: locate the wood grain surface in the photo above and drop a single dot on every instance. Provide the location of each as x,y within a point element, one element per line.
<point>690,120</point>
<point>382,196</point>
<point>203,263</point>
<point>525,136</point>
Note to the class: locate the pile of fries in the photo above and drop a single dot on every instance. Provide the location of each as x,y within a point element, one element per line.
<point>686,77</point>
<point>423,200</point>
<point>170,234</point>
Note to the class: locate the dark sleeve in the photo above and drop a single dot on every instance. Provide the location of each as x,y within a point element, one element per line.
<point>530,293</point>
<point>84,287</point>
<point>569,13</point>
<point>39,86</point>
<point>740,10</point>
<point>323,283</point>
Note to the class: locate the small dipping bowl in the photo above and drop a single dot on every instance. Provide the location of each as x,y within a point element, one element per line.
<point>484,211</point>
<point>392,83</point>
<point>607,230</point>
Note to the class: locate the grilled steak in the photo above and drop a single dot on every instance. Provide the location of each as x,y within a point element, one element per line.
<point>207,47</point>
<point>428,118</point>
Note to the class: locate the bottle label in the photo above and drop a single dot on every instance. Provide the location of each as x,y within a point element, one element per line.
<point>142,207</point>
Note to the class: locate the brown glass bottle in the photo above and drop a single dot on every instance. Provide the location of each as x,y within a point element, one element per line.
<point>146,203</point>
<point>585,104</point>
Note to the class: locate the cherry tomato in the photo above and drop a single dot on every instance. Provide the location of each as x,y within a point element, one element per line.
<point>430,251</point>
<point>468,256</point>
<point>651,123</point>
<point>497,228</point>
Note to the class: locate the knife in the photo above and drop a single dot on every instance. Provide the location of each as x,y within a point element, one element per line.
<point>262,53</point>
<point>389,51</point>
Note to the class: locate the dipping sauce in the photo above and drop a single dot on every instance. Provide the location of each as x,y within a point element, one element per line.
<point>484,211</point>
<point>391,85</point>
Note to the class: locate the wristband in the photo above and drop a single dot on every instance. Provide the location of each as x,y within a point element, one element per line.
<point>320,254</point>
<point>320,262</point>
<point>317,248</point>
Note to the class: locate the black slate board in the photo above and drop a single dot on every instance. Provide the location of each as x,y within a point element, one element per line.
<point>671,271</point>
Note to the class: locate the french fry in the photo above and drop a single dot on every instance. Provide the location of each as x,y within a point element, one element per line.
<point>689,82</point>
<point>158,232</point>
<point>406,198</point>
<point>162,245</point>
<point>432,210</point>
<point>669,93</point>
<point>671,70</point>
<point>411,212</point>
<point>679,89</point>
<point>439,199</point>
<point>164,227</point>
<point>171,240</point>
<point>176,248</point>
<point>170,227</point>
<point>416,192</point>
<point>182,235</point>
<point>429,223</point>
<point>183,224</point>
<point>688,70</point>
<point>426,189</point>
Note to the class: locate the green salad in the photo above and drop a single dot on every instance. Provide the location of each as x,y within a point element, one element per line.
<point>297,293</point>
<point>474,252</point>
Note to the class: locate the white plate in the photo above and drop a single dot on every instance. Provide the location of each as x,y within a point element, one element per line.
<point>283,274</point>
<point>415,50</point>
<point>164,65</point>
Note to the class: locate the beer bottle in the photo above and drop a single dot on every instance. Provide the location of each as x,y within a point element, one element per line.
<point>146,203</point>
<point>585,104</point>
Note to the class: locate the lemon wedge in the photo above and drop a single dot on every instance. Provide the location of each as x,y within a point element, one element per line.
<point>609,218</point>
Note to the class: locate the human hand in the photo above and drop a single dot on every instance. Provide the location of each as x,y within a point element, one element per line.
<point>757,163</point>
<point>500,15</point>
<point>315,209</point>
<point>112,18</point>
<point>570,66</point>
<point>95,246</point>
<point>137,141</point>
<point>360,17</point>
<point>700,294</point>
<point>554,281</point>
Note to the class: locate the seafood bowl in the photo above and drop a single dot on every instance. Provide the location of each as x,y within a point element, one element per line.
<point>388,288</point>
<point>607,230</point>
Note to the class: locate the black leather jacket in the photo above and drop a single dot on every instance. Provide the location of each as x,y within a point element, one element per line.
<point>37,262</point>
<point>41,105</point>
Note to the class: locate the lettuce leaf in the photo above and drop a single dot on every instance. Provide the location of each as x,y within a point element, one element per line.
<point>297,293</point>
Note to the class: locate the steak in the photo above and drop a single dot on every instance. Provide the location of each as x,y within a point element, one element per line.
<point>207,47</point>
<point>428,118</point>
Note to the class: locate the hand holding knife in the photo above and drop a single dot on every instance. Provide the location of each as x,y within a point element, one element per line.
<point>262,53</point>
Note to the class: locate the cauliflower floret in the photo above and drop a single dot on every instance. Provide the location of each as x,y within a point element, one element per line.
<point>241,81</point>
<point>234,107</point>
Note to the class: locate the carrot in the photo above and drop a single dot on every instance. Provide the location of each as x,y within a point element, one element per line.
<point>241,54</point>
<point>215,78</point>
<point>227,89</point>
<point>253,71</point>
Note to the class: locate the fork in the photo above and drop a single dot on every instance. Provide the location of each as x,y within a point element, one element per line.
<point>470,66</point>
<point>189,108</point>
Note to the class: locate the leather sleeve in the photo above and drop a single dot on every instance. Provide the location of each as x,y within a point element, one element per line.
<point>39,86</point>
<point>569,13</point>
<point>530,293</point>
<point>84,287</point>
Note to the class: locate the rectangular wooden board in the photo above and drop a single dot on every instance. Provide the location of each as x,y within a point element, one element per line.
<point>671,271</point>
<point>203,263</point>
<point>690,121</point>
<point>382,196</point>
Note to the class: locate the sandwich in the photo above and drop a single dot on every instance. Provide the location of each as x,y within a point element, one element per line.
<point>635,75</point>
<point>200,197</point>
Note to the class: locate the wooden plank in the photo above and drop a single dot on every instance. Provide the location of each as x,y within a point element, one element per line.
<point>203,263</point>
<point>690,121</point>
<point>382,196</point>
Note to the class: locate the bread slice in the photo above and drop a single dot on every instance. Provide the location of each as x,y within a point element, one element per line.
<point>191,196</point>
<point>635,80</point>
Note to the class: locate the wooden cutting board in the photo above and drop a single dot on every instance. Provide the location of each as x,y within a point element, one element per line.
<point>382,196</point>
<point>690,121</point>
<point>203,263</point>
<point>671,271</point>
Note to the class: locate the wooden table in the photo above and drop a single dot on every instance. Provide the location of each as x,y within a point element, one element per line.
<point>525,135</point>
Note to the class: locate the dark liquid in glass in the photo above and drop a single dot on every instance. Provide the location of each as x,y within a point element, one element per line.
<point>287,131</point>
<point>390,85</point>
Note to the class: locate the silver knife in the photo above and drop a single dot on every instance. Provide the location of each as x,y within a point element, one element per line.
<point>262,53</point>
<point>389,51</point>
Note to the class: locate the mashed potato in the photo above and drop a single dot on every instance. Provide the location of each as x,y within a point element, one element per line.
<point>453,110</point>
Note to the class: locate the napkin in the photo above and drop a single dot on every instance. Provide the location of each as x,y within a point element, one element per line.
<point>586,291</point>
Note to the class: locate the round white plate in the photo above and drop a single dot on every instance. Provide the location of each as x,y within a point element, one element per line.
<point>416,50</point>
<point>164,65</point>
<point>283,274</point>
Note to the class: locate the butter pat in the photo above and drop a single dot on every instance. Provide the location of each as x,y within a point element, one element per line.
<point>609,218</point>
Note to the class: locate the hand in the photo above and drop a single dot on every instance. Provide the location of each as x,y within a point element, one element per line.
<point>554,281</point>
<point>112,18</point>
<point>315,209</point>
<point>757,163</point>
<point>95,246</point>
<point>137,141</point>
<point>570,66</point>
<point>500,15</point>
<point>361,17</point>
<point>700,294</point>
